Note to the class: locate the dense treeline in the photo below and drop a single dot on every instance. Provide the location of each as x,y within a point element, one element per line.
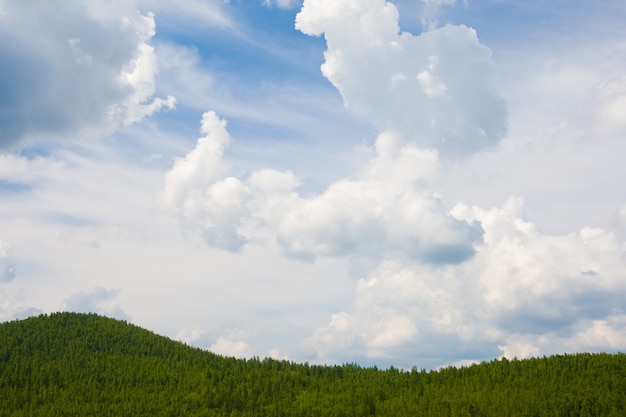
<point>68,364</point>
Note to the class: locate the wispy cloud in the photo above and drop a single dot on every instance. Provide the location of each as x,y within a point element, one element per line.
<point>7,267</point>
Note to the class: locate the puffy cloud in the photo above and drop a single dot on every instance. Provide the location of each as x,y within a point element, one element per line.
<point>235,342</point>
<point>523,293</point>
<point>439,285</point>
<point>189,336</point>
<point>7,267</point>
<point>226,347</point>
<point>551,281</point>
<point>606,334</point>
<point>196,186</point>
<point>203,165</point>
<point>75,66</point>
<point>430,91</point>
<point>437,89</point>
<point>404,311</point>
<point>386,208</point>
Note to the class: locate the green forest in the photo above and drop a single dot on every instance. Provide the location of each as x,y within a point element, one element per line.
<point>70,364</point>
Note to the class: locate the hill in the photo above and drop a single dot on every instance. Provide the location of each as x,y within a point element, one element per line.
<point>69,364</point>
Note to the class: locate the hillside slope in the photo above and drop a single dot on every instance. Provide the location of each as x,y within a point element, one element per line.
<point>69,364</point>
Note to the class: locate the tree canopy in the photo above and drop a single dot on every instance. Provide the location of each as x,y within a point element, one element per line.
<point>70,364</point>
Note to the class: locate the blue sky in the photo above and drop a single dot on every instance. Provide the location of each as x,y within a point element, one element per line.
<point>408,183</point>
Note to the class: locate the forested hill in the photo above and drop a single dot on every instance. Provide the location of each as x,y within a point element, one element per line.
<point>68,364</point>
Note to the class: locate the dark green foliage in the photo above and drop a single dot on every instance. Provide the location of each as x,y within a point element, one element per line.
<point>69,364</point>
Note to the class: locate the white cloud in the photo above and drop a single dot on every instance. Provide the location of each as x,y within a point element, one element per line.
<point>97,300</point>
<point>75,68</point>
<point>520,290</point>
<point>196,186</point>
<point>19,169</point>
<point>16,303</point>
<point>207,13</point>
<point>283,4</point>
<point>203,165</point>
<point>189,336</point>
<point>550,280</point>
<point>7,266</point>
<point>600,335</point>
<point>396,276</point>
<point>226,347</point>
<point>459,285</point>
<point>437,89</point>
<point>433,87</point>
<point>607,106</point>
<point>431,11</point>
<point>386,208</point>
<point>182,74</point>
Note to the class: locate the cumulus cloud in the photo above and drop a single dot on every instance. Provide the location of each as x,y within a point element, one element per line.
<point>75,67</point>
<point>7,267</point>
<point>189,336</point>
<point>440,285</point>
<point>227,347</point>
<point>203,165</point>
<point>426,92</point>
<point>434,91</point>
<point>550,280</point>
<point>235,342</point>
<point>97,300</point>
<point>198,188</point>
<point>417,95</point>
<point>436,88</point>
<point>524,292</point>
<point>601,335</point>
<point>387,207</point>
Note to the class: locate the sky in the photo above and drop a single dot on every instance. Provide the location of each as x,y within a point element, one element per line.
<point>411,183</point>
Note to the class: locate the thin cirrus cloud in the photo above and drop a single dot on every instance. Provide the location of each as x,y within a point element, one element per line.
<point>283,4</point>
<point>75,68</point>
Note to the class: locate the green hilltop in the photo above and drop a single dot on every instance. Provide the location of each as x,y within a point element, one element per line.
<point>70,364</point>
